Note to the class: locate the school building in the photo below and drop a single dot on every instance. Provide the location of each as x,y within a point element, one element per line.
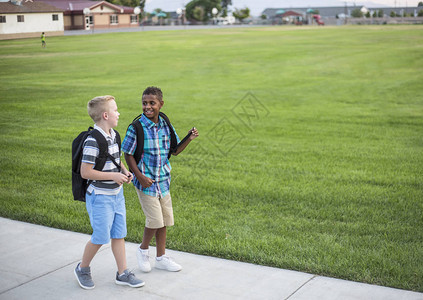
<point>29,18</point>
<point>85,14</point>
<point>26,18</point>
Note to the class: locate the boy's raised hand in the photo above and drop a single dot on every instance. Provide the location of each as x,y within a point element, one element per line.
<point>194,133</point>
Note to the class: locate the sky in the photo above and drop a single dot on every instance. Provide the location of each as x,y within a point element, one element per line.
<point>256,7</point>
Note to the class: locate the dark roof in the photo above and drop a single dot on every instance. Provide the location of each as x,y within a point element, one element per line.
<point>27,7</point>
<point>292,13</point>
<point>79,5</point>
<point>71,5</point>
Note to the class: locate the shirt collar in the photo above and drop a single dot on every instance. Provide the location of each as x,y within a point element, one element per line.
<point>150,124</point>
<point>113,133</point>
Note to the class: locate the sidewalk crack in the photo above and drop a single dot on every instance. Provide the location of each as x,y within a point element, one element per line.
<point>293,293</point>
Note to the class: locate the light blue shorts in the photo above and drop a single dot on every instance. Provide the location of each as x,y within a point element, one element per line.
<point>107,217</point>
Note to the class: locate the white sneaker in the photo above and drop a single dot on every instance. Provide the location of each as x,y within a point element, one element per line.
<point>167,264</point>
<point>143,261</point>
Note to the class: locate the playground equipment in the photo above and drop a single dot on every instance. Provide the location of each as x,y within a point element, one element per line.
<point>318,20</point>
<point>314,14</point>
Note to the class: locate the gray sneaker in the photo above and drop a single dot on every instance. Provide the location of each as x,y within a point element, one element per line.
<point>84,277</point>
<point>128,278</point>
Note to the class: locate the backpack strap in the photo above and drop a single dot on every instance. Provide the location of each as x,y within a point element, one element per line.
<point>104,150</point>
<point>118,141</point>
<point>183,140</point>
<point>173,141</point>
<point>139,133</point>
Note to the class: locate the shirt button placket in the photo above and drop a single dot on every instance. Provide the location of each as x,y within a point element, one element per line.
<point>158,162</point>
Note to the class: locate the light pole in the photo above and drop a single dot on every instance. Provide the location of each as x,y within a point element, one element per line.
<point>214,12</point>
<point>345,13</point>
<point>179,12</point>
<point>181,15</point>
<point>137,11</point>
<point>87,13</point>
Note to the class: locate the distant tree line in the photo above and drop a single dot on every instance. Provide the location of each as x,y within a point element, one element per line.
<point>130,3</point>
<point>357,13</point>
<point>201,10</point>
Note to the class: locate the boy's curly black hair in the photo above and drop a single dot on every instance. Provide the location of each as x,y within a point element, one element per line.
<point>155,91</point>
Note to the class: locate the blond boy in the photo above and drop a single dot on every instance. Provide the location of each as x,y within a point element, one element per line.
<point>105,202</point>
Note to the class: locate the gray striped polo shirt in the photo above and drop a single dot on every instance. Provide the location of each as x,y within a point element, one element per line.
<point>89,155</point>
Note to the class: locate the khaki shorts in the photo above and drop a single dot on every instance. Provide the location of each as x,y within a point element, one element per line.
<point>158,211</point>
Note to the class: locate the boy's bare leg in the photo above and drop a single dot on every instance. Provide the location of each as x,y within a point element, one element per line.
<point>118,249</point>
<point>161,241</point>
<point>89,253</point>
<point>160,234</point>
<point>147,237</point>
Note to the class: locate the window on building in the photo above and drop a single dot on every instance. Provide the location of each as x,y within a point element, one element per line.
<point>55,17</point>
<point>91,20</point>
<point>2,19</point>
<point>134,19</point>
<point>21,18</point>
<point>114,19</point>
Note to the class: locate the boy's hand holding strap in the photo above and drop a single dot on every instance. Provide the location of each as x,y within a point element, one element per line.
<point>192,134</point>
<point>173,151</point>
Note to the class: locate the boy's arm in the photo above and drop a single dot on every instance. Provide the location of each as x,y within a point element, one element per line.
<point>87,172</point>
<point>128,146</point>
<point>194,134</point>
<point>132,164</point>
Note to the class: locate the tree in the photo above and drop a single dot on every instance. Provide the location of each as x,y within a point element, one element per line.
<point>198,13</point>
<point>130,3</point>
<point>207,6</point>
<point>142,5</point>
<point>241,14</point>
<point>380,13</point>
<point>357,13</point>
<point>420,13</point>
<point>420,4</point>
<point>142,15</point>
<point>225,4</point>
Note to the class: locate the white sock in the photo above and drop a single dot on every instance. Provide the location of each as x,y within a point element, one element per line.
<point>144,251</point>
<point>159,258</point>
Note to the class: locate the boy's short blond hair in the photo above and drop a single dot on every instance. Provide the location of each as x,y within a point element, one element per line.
<point>97,106</point>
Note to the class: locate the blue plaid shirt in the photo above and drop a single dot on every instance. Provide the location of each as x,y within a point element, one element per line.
<point>154,162</point>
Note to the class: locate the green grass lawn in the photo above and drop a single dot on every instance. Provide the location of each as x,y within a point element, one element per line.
<point>310,152</point>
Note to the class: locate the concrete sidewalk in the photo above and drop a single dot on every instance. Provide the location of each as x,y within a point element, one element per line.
<point>37,263</point>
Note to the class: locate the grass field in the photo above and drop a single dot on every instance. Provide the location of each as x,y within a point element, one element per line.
<point>310,152</point>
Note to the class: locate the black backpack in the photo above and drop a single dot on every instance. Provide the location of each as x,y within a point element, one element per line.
<point>140,137</point>
<point>79,184</point>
